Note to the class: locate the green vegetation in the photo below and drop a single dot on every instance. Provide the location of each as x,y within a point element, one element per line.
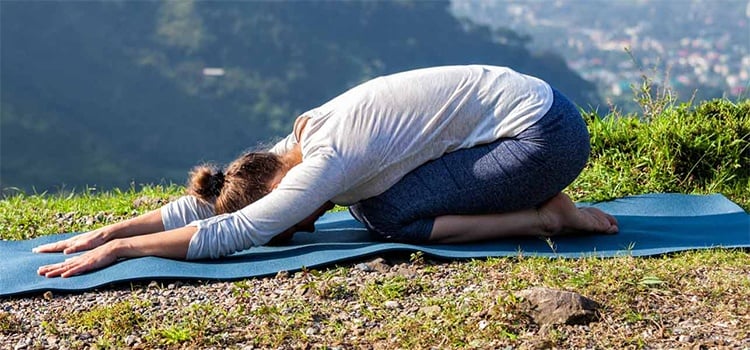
<point>107,93</point>
<point>705,149</point>
<point>649,302</point>
<point>24,216</point>
<point>111,322</point>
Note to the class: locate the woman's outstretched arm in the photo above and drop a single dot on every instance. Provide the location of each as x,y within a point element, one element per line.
<point>146,223</point>
<point>168,244</point>
<point>175,214</point>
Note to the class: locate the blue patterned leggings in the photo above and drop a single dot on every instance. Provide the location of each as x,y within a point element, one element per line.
<point>507,175</point>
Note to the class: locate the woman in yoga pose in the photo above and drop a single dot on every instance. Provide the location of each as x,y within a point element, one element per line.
<point>445,154</point>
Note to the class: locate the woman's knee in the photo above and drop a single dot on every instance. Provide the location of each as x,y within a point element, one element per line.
<point>417,231</point>
<point>392,224</point>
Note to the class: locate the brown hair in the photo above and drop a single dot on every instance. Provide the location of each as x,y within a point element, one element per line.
<point>244,181</point>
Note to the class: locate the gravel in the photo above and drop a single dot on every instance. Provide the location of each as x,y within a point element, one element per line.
<point>44,320</point>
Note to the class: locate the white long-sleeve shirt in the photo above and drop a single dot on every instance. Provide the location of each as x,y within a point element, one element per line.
<point>362,142</point>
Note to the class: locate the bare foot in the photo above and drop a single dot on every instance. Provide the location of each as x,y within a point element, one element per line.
<point>560,215</point>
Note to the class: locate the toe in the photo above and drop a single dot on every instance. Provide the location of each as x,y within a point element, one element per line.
<point>614,225</point>
<point>600,221</point>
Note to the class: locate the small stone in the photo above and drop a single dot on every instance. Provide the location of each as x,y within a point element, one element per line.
<point>301,290</point>
<point>407,271</point>
<point>392,304</point>
<point>145,201</point>
<point>65,218</point>
<point>84,336</point>
<point>379,265</point>
<point>364,267</point>
<point>431,310</point>
<point>479,314</point>
<point>311,331</point>
<point>550,306</point>
<point>540,344</point>
<point>153,284</point>
<point>685,338</point>
<point>131,340</point>
<point>482,325</point>
<point>283,274</point>
<point>22,344</point>
<point>47,295</point>
<point>171,286</point>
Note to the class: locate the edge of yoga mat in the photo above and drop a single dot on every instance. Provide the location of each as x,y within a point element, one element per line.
<point>644,220</point>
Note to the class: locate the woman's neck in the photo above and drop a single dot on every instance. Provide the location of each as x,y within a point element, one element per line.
<point>291,158</point>
<point>294,156</point>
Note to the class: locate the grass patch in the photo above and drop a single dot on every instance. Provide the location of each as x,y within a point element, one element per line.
<point>24,216</point>
<point>702,295</point>
<point>9,323</point>
<point>648,302</point>
<point>109,323</point>
<point>705,149</point>
<point>685,149</point>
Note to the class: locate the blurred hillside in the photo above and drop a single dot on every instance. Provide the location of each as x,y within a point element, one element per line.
<point>699,48</point>
<point>115,93</point>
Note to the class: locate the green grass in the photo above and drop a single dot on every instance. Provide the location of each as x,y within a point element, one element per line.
<point>473,306</point>
<point>24,216</point>
<point>111,322</point>
<point>701,149</point>
<point>705,149</point>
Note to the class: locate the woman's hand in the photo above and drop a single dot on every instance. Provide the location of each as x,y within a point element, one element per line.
<point>171,244</point>
<point>147,223</point>
<point>102,256</point>
<point>84,241</point>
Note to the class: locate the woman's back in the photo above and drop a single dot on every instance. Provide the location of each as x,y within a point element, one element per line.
<point>386,127</point>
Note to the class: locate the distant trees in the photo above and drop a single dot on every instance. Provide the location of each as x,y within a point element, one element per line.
<point>120,89</point>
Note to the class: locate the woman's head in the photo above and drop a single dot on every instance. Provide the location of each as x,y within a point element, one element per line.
<point>244,181</point>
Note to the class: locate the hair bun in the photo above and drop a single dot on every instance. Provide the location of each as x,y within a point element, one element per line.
<point>216,183</point>
<point>206,182</point>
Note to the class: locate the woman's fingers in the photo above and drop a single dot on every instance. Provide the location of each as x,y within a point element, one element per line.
<point>77,247</point>
<point>52,270</point>
<point>61,246</point>
<point>51,247</point>
<point>74,269</point>
<point>72,245</point>
<point>66,268</point>
<point>91,260</point>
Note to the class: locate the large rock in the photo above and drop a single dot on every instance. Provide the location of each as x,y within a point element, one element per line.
<point>551,306</point>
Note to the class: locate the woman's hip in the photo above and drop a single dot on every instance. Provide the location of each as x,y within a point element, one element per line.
<point>506,175</point>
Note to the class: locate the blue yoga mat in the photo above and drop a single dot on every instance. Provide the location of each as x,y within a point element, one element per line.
<point>649,225</point>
